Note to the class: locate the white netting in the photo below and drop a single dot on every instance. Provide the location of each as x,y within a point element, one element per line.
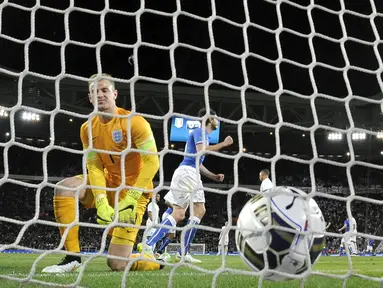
<point>205,85</point>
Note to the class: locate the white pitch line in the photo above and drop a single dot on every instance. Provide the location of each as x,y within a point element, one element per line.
<point>353,270</point>
<point>162,274</point>
<point>104,274</point>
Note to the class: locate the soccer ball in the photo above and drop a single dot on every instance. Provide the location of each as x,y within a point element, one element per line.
<point>276,249</point>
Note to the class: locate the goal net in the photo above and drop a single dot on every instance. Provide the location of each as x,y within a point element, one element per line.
<point>297,83</point>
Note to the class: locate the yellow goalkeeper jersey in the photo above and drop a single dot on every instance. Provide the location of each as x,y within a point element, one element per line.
<point>114,136</point>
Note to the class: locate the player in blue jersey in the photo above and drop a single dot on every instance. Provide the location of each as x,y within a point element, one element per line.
<point>186,186</point>
<point>370,246</point>
<point>350,242</point>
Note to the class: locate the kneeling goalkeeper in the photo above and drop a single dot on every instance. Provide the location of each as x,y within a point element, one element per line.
<point>110,133</point>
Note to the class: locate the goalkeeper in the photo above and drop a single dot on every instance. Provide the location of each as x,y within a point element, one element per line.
<point>104,171</point>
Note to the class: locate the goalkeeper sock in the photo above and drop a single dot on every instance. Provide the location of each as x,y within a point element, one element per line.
<point>143,265</point>
<point>165,242</point>
<point>161,232</point>
<point>190,234</point>
<point>340,250</point>
<point>65,213</point>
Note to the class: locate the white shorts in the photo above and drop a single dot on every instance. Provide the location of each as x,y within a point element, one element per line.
<point>349,240</point>
<point>186,184</point>
<point>164,216</point>
<point>226,243</point>
<point>369,248</point>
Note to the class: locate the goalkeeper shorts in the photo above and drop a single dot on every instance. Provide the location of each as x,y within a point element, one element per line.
<point>120,235</point>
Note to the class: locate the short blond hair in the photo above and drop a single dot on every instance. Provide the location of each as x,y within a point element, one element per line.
<point>94,76</point>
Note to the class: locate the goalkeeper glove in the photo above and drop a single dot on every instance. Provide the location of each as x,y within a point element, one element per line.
<point>105,213</point>
<point>127,207</point>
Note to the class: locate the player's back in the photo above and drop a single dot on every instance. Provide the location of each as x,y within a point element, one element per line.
<point>194,138</point>
<point>113,136</point>
<point>266,184</point>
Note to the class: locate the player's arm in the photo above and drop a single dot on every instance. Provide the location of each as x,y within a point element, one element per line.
<point>207,173</point>
<point>328,225</point>
<point>143,139</point>
<point>95,168</point>
<point>199,146</point>
<point>341,229</point>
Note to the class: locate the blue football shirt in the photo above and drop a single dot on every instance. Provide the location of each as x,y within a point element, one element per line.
<point>371,242</point>
<point>195,138</point>
<point>347,223</point>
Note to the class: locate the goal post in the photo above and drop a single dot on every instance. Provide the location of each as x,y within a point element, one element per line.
<point>195,248</point>
<point>236,39</point>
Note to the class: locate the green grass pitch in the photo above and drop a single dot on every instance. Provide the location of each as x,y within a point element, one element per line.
<point>97,274</point>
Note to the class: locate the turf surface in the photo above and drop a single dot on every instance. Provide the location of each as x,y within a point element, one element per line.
<point>96,274</point>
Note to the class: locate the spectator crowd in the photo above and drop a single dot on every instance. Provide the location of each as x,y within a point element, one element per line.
<point>25,206</point>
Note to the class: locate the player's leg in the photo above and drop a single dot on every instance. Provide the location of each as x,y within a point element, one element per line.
<point>158,246</point>
<point>196,216</point>
<point>171,235</point>
<point>166,241</point>
<point>178,197</point>
<point>354,247</point>
<point>177,215</point>
<point>219,248</point>
<point>65,213</point>
<point>149,234</point>
<point>122,243</point>
<point>372,250</point>
<point>226,248</point>
<point>348,246</point>
<point>351,248</point>
<point>341,246</point>
<point>198,209</point>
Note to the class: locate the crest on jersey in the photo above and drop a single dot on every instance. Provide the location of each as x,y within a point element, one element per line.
<point>117,136</point>
<point>178,122</point>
